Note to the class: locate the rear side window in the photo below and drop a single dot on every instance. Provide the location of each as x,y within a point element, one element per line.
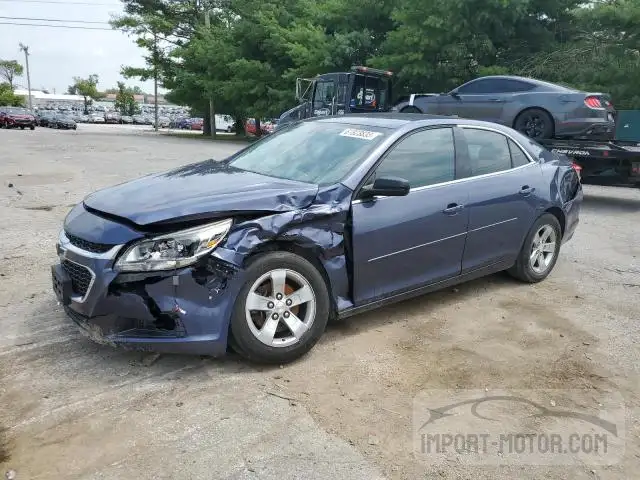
<point>423,158</point>
<point>518,157</point>
<point>488,151</point>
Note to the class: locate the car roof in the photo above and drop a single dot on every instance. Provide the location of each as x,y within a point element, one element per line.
<point>405,121</point>
<point>384,120</point>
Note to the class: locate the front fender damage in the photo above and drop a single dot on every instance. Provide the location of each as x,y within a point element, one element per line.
<point>319,229</point>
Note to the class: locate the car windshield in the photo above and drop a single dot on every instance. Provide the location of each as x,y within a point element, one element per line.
<point>312,152</point>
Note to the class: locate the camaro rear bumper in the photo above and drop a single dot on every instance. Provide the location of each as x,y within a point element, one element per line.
<point>183,311</point>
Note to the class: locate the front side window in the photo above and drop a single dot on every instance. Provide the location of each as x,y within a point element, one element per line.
<point>423,158</point>
<point>317,152</point>
<point>478,87</point>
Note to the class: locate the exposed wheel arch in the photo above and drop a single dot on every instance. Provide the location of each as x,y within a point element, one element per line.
<point>308,253</point>
<point>559,214</point>
<point>528,109</point>
<point>411,109</point>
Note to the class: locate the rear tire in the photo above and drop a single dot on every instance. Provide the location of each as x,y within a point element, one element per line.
<point>32,127</point>
<point>21,127</point>
<point>535,123</point>
<point>410,109</point>
<point>540,250</point>
<point>266,334</point>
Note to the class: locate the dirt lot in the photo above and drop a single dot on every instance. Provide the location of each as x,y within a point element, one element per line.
<point>73,409</point>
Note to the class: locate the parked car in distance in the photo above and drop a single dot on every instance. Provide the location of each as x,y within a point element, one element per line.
<point>163,122</point>
<point>62,121</point>
<point>42,118</point>
<point>196,124</point>
<point>17,117</point>
<point>324,219</point>
<point>112,117</point>
<point>96,118</point>
<point>126,119</point>
<point>138,119</point>
<point>250,126</point>
<point>538,109</point>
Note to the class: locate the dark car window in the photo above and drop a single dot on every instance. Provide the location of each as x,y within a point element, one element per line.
<point>313,152</point>
<point>478,86</point>
<point>518,157</point>
<point>495,85</point>
<point>508,85</point>
<point>423,158</point>
<point>488,151</point>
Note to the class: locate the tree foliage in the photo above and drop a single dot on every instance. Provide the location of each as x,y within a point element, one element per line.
<point>9,70</point>
<point>87,88</point>
<point>125,102</point>
<point>7,97</point>
<point>248,58</point>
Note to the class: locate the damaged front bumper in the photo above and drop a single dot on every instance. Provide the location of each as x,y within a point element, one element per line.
<point>182,311</point>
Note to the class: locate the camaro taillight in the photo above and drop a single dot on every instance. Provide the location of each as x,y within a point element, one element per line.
<point>593,102</point>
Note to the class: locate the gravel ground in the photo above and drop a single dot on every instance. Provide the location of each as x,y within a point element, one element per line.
<point>74,409</point>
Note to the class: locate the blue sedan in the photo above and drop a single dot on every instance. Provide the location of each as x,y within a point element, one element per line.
<point>322,220</point>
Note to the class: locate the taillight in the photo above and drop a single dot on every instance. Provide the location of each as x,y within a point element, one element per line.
<point>577,168</point>
<point>593,102</point>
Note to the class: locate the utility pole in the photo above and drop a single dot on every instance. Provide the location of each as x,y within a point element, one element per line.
<point>212,111</point>
<point>25,49</point>
<point>155,80</point>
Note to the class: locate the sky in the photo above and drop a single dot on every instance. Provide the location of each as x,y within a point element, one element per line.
<point>56,55</point>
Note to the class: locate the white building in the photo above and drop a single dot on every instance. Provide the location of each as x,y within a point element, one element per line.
<point>41,99</point>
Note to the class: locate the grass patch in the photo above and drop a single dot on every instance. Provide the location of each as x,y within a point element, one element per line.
<point>219,138</point>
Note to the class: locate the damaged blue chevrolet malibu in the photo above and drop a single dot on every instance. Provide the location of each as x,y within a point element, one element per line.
<point>322,220</point>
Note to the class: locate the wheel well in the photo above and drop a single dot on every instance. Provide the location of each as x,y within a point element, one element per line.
<point>409,108</point>
<point>559,214</point>
<point>553,122</point>
<point>309,254</point>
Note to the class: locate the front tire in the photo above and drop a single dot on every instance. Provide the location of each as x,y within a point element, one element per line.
<point>535,123</point>
<point>281,311</point>
<point>540,250</point>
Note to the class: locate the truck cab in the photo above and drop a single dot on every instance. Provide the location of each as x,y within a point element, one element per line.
<point>361,90</point>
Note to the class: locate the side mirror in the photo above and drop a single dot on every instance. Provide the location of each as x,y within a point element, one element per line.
<point>387,187</point>
<point>455,94</point>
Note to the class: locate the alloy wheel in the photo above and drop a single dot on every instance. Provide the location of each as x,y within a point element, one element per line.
<point>543,249</point>
<point>280,307</point>
<point>534,127</point>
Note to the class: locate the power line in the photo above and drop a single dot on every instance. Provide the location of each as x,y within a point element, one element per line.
<point>63,2</point>
<point>57,26</point>
<point>52,20</point>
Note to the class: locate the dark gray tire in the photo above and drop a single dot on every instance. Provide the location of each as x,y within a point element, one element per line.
<point>535,123</point>
<point>410,109</point>
<point>524,269</point>
<point>244,341</point>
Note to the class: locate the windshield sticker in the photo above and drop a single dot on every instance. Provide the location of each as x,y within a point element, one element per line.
<point>363,134</point>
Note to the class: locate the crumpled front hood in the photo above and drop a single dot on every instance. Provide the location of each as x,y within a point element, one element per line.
<point>200,190</point>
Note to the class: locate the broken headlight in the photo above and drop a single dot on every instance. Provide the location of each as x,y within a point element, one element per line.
<point>174,250</point>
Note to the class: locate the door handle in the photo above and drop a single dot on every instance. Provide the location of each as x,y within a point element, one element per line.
<point>452,209</point>
<point>497,100</point>
<point>526,190</point>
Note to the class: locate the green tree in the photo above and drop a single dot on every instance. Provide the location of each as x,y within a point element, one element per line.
<point>87,88</point>
<point>7,97</point>
<point>9,69</point>
<point>125,102</point>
